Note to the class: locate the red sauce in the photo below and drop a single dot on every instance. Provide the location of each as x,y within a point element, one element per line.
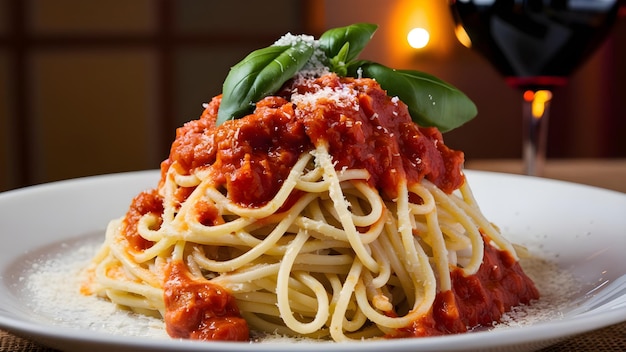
<point>381,137</point>
<point>251,157</point>
<point>144,203</point>
<point>208,214</point>
<point>200,310</point>
<point>476,300</point>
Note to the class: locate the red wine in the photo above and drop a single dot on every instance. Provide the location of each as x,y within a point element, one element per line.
<point>536,42</point>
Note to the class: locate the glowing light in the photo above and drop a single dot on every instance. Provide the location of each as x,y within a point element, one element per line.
<point>529,95</point>
<point>462,37</point>
<point>418,38</point>
<point>539,101</point>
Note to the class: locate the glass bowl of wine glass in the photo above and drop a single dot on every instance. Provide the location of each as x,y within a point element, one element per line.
<point>535,45</point>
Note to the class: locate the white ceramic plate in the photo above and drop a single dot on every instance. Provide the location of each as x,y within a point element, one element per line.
<point>581,228</point>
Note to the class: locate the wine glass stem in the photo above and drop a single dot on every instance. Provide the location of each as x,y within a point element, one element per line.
<point>535,110</point>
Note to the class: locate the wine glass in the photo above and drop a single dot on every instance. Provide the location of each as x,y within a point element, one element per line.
<point>535,45</point>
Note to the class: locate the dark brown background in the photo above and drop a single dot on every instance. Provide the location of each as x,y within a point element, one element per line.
<point>91,86</point>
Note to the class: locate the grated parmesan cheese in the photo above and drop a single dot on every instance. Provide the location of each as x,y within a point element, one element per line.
<point>343,97</point>
<point>315,67</point>
<point>52,289</point>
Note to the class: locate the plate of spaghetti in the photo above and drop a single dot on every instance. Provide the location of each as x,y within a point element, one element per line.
<point>313,202</point>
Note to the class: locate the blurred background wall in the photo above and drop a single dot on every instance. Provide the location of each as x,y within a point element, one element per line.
<point>90,87</point>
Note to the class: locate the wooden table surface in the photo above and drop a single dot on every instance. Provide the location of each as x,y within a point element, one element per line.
<point>603,173</point>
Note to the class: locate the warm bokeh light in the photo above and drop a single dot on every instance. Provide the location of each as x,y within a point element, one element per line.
<point>418,38</point>
<point>406,16</point>
<point>529,95</point>
<point>462,37</point>
<point>539,101</point>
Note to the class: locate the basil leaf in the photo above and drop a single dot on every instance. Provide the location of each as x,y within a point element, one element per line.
<point>431,101</point>
<point>258,75</point>
<point>333,43</point>
<point>338,63</point>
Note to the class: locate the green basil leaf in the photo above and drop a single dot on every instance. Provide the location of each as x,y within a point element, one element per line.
<point>356,36</point>
<point>258,75</point>
<point>338,63</point>
<point>431,101</point>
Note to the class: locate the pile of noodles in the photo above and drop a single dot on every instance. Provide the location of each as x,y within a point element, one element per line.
<point>326,213</point>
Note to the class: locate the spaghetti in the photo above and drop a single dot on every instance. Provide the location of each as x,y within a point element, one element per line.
<point>327,213</point>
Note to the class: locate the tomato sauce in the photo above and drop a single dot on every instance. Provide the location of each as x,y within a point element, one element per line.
<point>250,158</point>
<point>476,300</point>
<point>200,310</point>
<point>379,135</point>
<point>144,203</point>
